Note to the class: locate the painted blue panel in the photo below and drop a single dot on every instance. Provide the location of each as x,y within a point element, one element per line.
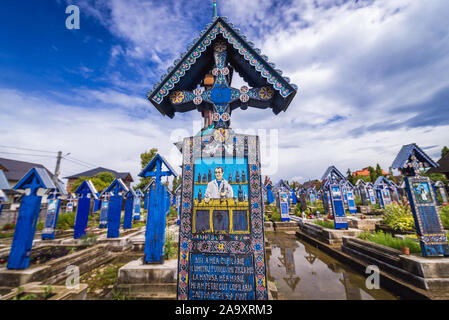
<point>270,196</point>
<point>220,277</point>
<point>51,219</point>
<point>338,207</point>
<point>372,197</point>
<point>82,216</point>
<point>128,218</point>
<point>104,214</point>
<point>240,220</point>
<point>220,220</point>
<point>432,237</point>
<point>114,215</point>
<point>351,203</point>
<point>283,203</point>
<point>19,257</point>
<point>137,208</point>
<point>69,207</point>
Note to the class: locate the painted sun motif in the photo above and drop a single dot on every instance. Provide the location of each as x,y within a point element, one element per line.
<point>266,93</point>
<point>220,47</point>
<point>177,97</point>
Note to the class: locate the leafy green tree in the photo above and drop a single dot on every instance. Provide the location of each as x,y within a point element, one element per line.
<point>444,151</point>
<point>175,183</point>
<point>350,177</point>
<point>372,174</point>
<point>379,171</point>
<point>100,181</point>
<point>145,159</point>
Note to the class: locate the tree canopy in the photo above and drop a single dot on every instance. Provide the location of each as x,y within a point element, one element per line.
<point>101,181</point>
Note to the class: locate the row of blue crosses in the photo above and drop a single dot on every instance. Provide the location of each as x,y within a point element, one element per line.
<point>38,178</point>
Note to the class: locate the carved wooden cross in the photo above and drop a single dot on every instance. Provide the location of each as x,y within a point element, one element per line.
<point>221,95</point>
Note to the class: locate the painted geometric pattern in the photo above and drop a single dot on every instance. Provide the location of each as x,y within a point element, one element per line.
<point>188,61</point>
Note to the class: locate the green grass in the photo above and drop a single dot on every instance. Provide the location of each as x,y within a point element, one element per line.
<point>325,224</point>
<point>275,214</point>
<point>388,240</point>
<point>444,214</point>
<point>170,247</point>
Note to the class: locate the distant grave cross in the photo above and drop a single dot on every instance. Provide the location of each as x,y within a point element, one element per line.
<point>221,94</point>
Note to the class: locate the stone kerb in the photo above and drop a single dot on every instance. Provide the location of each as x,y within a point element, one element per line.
<point>54,270</point>
<point>149,281</point>
<point>425,273</point>
<point>58,292</point>
<point>363,224</point>
<point>329,236</point>
<point>285,225</point>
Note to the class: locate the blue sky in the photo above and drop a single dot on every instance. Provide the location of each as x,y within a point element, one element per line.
<point>372,76</point>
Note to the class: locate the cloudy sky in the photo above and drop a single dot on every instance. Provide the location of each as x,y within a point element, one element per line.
<point>372,76</point>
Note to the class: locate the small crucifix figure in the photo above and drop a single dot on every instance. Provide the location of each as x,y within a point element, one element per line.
<point>220,95</point>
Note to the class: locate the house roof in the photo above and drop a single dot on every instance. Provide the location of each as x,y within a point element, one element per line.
<point>443,165</point>
<point>42,177</point>
<point>15,169</point>
<point>4,185</point>
<point>405,153</point>
<point>365,172</point>
<point>188,71</point>
<point>93,172</point>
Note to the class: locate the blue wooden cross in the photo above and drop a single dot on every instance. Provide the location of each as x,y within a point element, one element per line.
<point>221,95</point>
<point>117,188</point>
<point>155,231</point>
<point>131,197</point>
<point>85,191</point>
<point>36,178</point>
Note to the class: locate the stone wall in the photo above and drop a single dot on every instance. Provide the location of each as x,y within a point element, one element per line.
<point>10,216</point>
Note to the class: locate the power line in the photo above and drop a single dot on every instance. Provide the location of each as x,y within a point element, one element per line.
<point>28,149</point>
<point>90,164</point>
<point>78,163</point>
<point>27,154</point>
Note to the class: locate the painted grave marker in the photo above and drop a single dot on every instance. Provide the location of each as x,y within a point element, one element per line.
<point>86,191</point>
<point>116,189</point>
<point>221,240</point>
<point>35,179</point>
<point>411,160</point>
<point>155,231</point>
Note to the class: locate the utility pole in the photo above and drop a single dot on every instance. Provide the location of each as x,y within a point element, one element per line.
<point>58,163</point>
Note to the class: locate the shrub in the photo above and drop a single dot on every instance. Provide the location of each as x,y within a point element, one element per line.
<point>66,220</point>
<point>444,214</point>
<point>325,224</point>
<point>398,217</point>
<point>388,240</point>
<point>275,214</point>
<point>9,226</point>
<point>170,247</point>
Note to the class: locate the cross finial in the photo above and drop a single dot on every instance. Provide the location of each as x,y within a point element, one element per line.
<point>214,14</point>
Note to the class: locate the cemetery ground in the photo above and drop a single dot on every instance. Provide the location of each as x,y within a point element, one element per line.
<point>306,258</point>
<point>97,258</point>
<point>384,238</point>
